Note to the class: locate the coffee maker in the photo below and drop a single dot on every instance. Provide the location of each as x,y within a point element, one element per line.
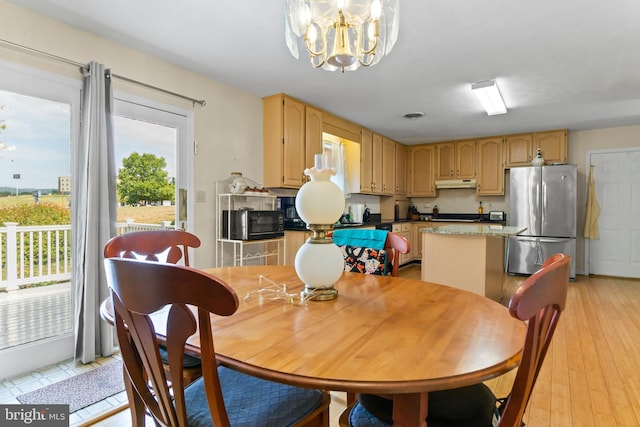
<point>291,219</point>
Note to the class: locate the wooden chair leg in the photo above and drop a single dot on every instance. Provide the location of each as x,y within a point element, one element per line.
<point>351,398</point>
<point>136,405</point>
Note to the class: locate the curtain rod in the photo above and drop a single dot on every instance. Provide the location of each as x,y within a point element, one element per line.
<point>84,67</point>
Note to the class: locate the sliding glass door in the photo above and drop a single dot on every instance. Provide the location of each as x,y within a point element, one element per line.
<point>39,122</point>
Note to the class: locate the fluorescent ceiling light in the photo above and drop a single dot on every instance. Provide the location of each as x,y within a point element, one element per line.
<point>489,95</point>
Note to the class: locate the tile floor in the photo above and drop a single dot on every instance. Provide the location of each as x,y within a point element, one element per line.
<point>15,386</point>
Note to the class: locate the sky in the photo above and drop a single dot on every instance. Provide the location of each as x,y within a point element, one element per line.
<point>38,136</point>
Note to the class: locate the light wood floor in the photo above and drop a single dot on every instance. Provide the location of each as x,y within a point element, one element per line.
<point>591,375</point>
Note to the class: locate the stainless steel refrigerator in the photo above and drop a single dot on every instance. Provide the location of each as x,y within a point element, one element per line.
<point>543,199</point>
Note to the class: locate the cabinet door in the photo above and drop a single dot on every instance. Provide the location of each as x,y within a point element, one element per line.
<point>294,144</point>
<point>366,161</point>
<point>553,145</point>
<point>388,166</point>
<point>313,135</point>
<point>519,149</point>
<point>401,169</point>
<point>292,242</point>
<point>465,159</point>
<point>445,160</point>
<point>490,167</point>
<point>416,244</point>
<point>376,164</point>
<point>422,171</point>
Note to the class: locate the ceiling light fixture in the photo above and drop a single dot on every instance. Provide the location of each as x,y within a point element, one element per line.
<point>342,34</point>
<point>415,115</point>
<point>489,96</point>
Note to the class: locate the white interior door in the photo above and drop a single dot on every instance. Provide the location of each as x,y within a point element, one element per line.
<point>617,183</point>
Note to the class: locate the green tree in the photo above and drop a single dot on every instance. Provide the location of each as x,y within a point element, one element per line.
<point>143,179</point>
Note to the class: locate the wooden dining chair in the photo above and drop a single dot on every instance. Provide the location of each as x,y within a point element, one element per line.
<point>167,246</point>
<point>539,300</point>
<point>222,396</point>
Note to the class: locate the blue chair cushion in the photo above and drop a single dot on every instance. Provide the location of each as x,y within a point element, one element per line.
<point>187,362</point>
<point>251,401</point>
<point>471,406</point>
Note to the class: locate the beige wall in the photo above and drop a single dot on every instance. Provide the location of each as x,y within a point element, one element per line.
<point>228,129</point>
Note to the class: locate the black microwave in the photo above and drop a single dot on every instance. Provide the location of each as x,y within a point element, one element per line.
<point>247,224</point>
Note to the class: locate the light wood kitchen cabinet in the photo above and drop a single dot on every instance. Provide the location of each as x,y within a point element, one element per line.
<point>552,144</point>
<point>401,170</point>
<point>416,244</point>
<point>521,149</point>
<point>376,164</point>
<point>292,242</point>
<point>405,229</point>
<point>456,160</point>
<point>445,160</point>
<point>313,136</point>
<point>371,158</point>
<point>518,150</point>
<point>366,161</point>
<point>283,141</point>
<point>422,171</point>
<point>388,167</point>
<point>490,167</point>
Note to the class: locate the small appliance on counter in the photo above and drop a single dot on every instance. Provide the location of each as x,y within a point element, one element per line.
<point>249,224</point>
<point>496,216</point>
<point>366,215</point>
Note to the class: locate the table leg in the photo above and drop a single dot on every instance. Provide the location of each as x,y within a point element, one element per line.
<point>410,410</point>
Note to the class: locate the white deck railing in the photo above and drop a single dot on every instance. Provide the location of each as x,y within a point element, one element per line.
<point>42,253</point>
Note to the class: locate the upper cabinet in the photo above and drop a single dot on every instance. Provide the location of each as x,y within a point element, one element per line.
<point>456,160</point>
<point>490,167</point>
<point>518,150</point>
<point>552,144</point>
<point>366,162</point>
<point>284,136</point>
<point>521,149</point>
<point>388,167</point>
<point>401,169</point>
<point>422,171</point>
<point>313,135</point>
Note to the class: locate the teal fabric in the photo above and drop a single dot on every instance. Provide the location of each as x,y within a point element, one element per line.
<point>374,239</point>
<point>251,401</point>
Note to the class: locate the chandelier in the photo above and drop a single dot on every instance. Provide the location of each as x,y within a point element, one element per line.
<point>342,34</point>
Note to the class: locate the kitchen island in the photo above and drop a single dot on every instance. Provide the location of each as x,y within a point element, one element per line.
<point>469,256</point>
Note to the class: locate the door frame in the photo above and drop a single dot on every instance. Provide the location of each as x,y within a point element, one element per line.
<point>587,242</point>
<point>135,107</point>
<point>42,84</point>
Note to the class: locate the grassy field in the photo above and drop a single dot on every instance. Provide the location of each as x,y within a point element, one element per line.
<point>141,214</point>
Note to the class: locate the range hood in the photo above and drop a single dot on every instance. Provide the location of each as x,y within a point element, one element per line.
<point>456,183</point>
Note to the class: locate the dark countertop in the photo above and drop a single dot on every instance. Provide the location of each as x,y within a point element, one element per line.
<point>443,217</point>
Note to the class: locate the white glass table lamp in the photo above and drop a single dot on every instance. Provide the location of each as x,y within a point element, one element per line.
<point>320,203</point>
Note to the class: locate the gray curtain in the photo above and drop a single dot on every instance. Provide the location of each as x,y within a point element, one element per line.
<point>93,214</point>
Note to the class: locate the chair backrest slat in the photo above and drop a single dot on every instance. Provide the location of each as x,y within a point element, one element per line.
<point>166,246</point>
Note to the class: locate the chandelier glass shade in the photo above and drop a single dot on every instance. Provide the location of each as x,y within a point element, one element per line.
<point>341,34</point>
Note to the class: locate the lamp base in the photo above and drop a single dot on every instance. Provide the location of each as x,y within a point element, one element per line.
<point>319,294</point>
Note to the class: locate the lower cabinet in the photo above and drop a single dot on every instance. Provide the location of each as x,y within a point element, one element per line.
<point>292,242</point>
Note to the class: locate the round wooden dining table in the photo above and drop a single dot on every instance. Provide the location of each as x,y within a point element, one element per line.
<point>383,335</point>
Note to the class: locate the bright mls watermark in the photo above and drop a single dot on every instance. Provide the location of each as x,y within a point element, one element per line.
<point>34,415</point>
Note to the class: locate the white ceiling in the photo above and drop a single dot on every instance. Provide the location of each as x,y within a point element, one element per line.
<point>559,63</point>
